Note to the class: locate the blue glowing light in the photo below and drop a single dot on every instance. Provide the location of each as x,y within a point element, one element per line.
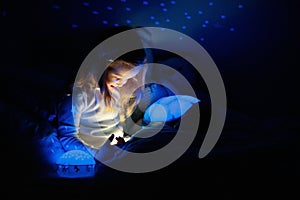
<point>169,108</point>
<point>95,12</point>
<point>74,26</point>
<point>56,7</point>
<point>75,164</point>
<point>85,3</point>
<point>75,157</point>
<point>166,13</point>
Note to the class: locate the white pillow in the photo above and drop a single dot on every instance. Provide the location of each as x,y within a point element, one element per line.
<point>169,108</point>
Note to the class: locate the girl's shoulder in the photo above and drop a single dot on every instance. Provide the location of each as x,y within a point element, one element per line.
<point>86,92</point>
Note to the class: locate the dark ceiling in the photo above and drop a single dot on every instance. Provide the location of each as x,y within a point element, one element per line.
<point>252,43</point>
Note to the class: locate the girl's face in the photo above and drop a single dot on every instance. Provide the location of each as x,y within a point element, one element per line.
<point>120,77</point>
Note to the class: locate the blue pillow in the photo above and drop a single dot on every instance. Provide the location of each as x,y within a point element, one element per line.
<point>169,108</point>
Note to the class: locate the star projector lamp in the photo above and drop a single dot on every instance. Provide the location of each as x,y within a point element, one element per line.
<point>75,164</point>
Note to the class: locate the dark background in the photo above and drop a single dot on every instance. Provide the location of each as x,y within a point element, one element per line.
<point>44,42</point>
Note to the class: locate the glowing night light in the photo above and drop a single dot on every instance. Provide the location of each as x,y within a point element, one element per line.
<point>75,164</point>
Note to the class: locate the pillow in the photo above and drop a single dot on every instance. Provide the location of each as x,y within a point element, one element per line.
<point>169,108</point>
<point>152,93</point>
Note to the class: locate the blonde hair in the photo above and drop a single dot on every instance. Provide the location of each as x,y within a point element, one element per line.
<point>128,98</point>
<point>130,93</point>
<point>112,67</point>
